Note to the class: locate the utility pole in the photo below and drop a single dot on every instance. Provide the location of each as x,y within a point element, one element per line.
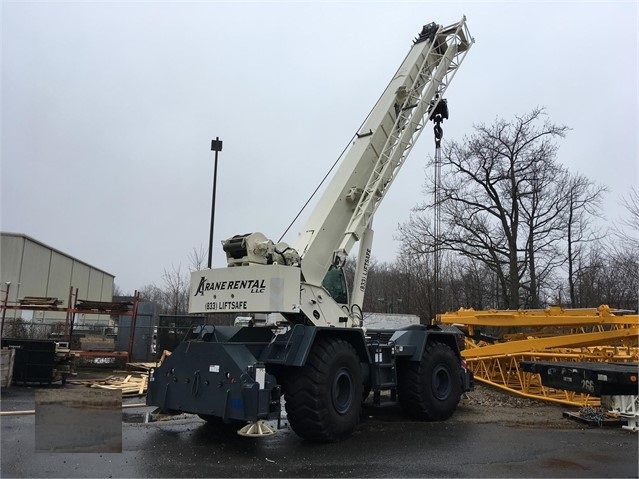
<point>216,146</point>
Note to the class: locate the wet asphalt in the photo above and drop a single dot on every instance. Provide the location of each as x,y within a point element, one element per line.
<point>385,444</point>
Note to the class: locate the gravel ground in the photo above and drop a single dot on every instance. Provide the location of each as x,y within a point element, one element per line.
<point>488,404</point>
<point>485,395</point>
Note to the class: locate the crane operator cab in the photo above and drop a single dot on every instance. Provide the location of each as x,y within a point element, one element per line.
<point>335,283</point>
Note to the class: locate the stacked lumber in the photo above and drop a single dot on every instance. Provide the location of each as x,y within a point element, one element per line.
<point>131,385</point>
<point>39,301</point>
<point>122,306</point>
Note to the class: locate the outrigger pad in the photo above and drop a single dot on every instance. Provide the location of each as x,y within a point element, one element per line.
<point>256,429</point>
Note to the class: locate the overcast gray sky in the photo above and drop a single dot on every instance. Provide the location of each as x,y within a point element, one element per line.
<point>108,110</point>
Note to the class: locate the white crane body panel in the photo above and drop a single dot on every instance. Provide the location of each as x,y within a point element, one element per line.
<point>273,288</point>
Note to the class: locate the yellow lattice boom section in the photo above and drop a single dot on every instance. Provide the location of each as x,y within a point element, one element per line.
<point>497,341</point>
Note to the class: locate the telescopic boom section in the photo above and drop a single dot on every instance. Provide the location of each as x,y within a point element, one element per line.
<point>380,148</point>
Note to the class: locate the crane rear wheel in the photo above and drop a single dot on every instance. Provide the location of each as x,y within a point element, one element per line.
<point>431,388</point>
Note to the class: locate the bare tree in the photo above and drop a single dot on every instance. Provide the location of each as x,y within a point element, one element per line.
<point>607,276</point>
<point>117,291</point>
<point>173,297</point>
<point>628,229</point>
<point>541,204</point>
<point>492,194</point>
<point>470,284</point>
<point>197,258</point>
<point>417,263</point>
<point>583,202</point>
<point>176,290</point>
<point>153,294</point>
<point>519,217</point>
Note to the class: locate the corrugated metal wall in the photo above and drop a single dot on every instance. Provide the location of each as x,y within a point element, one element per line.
<point>35,269</point>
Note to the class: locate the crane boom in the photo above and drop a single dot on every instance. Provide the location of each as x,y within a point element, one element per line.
<point>380,148</point>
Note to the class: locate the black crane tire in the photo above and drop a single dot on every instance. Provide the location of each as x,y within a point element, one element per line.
<point>323,398</point>
<point>431,388</point>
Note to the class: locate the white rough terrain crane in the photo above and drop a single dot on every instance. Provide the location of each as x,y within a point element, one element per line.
<point>326,362</point>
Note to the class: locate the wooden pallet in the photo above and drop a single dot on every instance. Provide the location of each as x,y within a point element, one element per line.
<point>148,365</point>
<point>131,385</point>
<point>141,366</point>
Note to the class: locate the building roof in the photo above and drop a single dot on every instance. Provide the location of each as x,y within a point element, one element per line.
<point>33,240</point>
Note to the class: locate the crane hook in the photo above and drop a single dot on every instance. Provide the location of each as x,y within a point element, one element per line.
<point>439,133</point>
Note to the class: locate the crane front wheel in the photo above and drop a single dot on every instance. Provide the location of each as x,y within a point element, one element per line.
<point>323,398</point>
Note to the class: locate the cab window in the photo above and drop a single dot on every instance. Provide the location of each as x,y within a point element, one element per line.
<point>335,284</point>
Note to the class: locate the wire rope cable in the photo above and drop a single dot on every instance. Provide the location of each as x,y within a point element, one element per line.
<point>350,141</point>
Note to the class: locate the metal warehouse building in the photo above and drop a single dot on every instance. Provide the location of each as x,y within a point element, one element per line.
<point>31,268</point>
